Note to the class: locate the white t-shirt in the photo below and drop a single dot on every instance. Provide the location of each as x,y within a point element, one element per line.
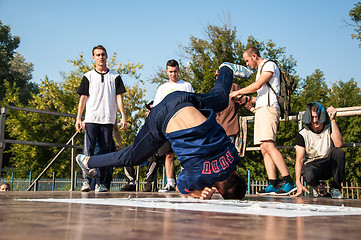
<point>168,87</point>
<point>317,145</point>
<point>102,91</point>
<point>265,93</point>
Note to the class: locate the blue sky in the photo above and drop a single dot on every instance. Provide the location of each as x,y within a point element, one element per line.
<point>150,32</point>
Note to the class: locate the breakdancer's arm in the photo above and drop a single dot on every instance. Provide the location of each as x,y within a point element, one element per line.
<point>206,193</point>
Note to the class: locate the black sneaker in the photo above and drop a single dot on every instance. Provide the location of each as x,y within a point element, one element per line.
<point>319,190</point>
<point>322,189</point>
<point>148,187</point>
<point>128,187</point>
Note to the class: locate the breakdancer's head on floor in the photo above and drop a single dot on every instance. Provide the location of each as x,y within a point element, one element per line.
<point>208,157</point>
<point>234,187</point>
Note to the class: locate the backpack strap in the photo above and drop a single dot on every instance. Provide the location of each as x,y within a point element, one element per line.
<point>268,84</point>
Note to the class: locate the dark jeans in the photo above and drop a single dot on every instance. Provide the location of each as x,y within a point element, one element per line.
<point>109,170</point>
<point>323,169</point>
<point>151,136</point>
<point>98,140</point>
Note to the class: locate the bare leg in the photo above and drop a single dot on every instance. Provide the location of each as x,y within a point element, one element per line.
<point>270,166</point>
<point>272,155</point>
<point>169,165</point>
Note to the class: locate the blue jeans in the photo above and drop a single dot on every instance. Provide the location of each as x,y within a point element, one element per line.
<point>151,136</point>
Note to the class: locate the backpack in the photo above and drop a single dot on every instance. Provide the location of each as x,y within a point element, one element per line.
<point>287,87</point>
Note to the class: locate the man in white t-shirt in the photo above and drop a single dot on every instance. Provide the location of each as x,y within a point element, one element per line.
<point>173,84</point>
<point>100,93</point>
<point>267,116</point>
<point>318,151</point>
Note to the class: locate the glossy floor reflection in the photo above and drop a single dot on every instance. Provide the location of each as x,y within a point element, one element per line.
<point>23,218</point>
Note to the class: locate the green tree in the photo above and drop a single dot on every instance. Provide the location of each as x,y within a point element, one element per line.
<point>355,14</point>
<point>221,45</point>
<point>306,92</point>
<point>62,97</point>
<point>13,67</point>
<point>348,94</point>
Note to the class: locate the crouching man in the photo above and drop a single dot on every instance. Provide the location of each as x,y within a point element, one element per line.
<point>318,151</point>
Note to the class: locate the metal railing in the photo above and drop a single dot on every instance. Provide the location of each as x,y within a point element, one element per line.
<point>341,112</point>
<point>69,144</point>
<point>63,184</point>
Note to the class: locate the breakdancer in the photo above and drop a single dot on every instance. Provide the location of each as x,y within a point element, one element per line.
<point>188,122</point>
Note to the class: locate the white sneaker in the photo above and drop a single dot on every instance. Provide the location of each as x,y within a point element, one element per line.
<point>238,70</point>
<point>101,188</point>
<point>85,186</point>
<point>335,193</point>
<point>167,188</point>
<point>82,161</point>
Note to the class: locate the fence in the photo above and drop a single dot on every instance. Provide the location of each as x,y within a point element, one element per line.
<point>349,190</point>
<point>61,184</point>
<point>64,184</point>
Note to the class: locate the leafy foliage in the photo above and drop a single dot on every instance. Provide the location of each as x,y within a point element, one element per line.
<point>13,67</point>
<point>308,93</point>
<point>347,94</point>
<point>355,14</point>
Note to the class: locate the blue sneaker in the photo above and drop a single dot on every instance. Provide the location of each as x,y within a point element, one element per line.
<point>286,189</point>
<point>238,70</point>
<point>336,193</point>
<point>270,189</point>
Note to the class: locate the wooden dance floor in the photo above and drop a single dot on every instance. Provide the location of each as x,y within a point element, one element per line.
<point>121,215</point>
